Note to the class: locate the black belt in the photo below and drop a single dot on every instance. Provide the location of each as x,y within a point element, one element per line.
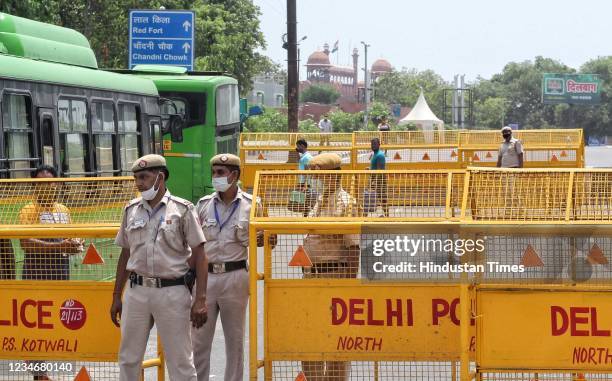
<point>224,267</point>
<point>328,267</point>
<point>155,282</point>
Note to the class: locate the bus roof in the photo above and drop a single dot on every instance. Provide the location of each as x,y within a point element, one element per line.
<point>176,78</point>
<point>25,69</point>
<point>32,39</point>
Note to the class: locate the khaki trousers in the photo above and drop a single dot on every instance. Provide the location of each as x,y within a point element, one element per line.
<point>169,308</point>
<point>227,295</point>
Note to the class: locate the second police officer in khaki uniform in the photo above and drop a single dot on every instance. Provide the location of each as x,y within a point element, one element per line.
<point>159,236</point>
<point>225,221</point>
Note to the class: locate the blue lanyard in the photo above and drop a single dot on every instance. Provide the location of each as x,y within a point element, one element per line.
<point>221,225</point>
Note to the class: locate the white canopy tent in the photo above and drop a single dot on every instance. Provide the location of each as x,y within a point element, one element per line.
<point>422,116</point>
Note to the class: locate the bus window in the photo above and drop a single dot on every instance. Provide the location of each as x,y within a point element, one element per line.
<point>228,105</point>
<point>18,134</point>
<point>73,136</point>
<point>129,136</point>
<point>228,118</point>
<point>156,135</point>
<point>103,126</point>
<point>46,136</point>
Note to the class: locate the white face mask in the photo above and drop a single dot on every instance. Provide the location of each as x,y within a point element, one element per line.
<point>221,184</point>
<point>150,193</point>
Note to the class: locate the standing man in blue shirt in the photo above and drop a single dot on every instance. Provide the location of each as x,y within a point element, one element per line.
<point>301,146</point>
<point>378,182</point>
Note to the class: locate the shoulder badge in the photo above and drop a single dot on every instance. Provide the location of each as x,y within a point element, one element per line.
<point>133,202</point>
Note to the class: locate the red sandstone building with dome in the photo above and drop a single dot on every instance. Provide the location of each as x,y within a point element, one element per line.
<point>319,70</point>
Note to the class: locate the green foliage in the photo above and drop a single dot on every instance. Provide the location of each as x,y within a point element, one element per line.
<point>404,86</point>
<point>377,111</point>
<point>270,121</point>
<point>490,112</point>
<point>227,31</point>
<point>308,125</point>
<point>228,35</point>
<point>515,96</point>
<point>345,122</point>
<point>325,94</point>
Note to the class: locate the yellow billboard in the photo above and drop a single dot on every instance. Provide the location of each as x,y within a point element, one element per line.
<point>544,329</point>
<point>349,320</point>
<point>57,320</point>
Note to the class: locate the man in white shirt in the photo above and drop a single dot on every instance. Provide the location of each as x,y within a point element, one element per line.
<point>511,151</point>
<point>325,127</point>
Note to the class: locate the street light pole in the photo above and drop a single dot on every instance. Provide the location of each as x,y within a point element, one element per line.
<point>298,65</point>
<point>292,67</point>
<point>366,82</point>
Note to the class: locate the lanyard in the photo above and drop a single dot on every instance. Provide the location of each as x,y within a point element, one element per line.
<point>221,225</point>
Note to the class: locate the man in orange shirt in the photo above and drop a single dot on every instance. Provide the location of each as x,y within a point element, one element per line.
<point>48,258</point>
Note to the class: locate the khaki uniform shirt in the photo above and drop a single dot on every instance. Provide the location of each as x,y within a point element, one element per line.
<point>160,239</point>
<point>509,153</point>
<point>339,204</point>
<point>230,242</point>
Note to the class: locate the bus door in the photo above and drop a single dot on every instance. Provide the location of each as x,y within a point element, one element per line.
<point>155,131</point>
<point>47,142</point>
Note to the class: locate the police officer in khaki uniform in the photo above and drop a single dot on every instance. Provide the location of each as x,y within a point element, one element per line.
<point>225,221</point>
<point>332,255</point>
<point>160,236</point>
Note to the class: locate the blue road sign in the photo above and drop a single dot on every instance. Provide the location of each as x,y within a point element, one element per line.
<point>160,37</point>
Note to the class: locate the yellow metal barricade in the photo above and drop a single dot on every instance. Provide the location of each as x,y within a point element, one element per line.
<point>342,322</point>
<point>410,149</point>
<point>276,151</point>
<point>558,148</point>
<point>54,314</point>
<point>446,149</point>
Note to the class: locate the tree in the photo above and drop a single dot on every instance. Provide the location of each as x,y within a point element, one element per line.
<point>345,122</point>
<point>325,94</point>
<point>227,31</point>
<point>228,36</point>
<point>270,121</point>
<point>490,112</point>
<point>596,120</point>
<point>520,86</point>
<point>404,86</point>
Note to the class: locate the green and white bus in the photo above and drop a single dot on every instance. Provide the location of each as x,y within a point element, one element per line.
<point>59,109</point>
<point>209,105</point>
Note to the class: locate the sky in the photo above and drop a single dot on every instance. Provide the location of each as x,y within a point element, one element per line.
<point>471,37</point>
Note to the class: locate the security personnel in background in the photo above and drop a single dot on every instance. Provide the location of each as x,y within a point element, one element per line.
<point>225,221</point>
<point>332,255</point>
<point>160,236</point>
<point>510,153</point>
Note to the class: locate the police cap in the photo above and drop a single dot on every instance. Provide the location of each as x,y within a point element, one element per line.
<point>226,159</point>
<point>149,162</point>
